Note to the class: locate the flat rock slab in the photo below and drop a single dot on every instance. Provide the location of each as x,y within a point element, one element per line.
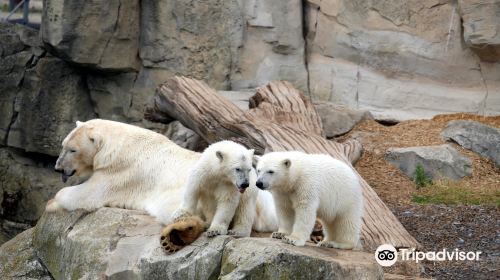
<point>338,120</point>
<point>475,136</point>
<point>265,258</point>
<point>124,244</point>
<point>437,161</point>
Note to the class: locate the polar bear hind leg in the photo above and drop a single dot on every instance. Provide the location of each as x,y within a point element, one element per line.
<point>342,232</point>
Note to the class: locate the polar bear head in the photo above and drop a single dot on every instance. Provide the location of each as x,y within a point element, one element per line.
<point>274,170</point>
<point>78,151</point>
<point>232,162</point>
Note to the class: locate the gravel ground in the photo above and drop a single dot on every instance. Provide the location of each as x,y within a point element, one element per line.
<point>468,228</point>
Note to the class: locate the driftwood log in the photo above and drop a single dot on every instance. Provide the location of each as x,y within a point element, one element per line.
<point>280,118</point>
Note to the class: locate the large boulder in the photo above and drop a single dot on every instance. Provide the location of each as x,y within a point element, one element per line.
<point>19,261</point>
<point>26,184</point>
<point>482,27</point>
<point>102,34</point>
<point>264,258</point>
<point>124,244</point>
<point>337,119</point>
<point>52,97</point>
<point>475,136</point>
<point>441,161</point>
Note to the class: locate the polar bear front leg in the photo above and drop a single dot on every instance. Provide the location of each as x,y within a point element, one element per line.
<point>286,218</point>
<point>223,216</point>
<point>86,196</point>
<point>189,200</point>
<point>245,214</point>
<point>305,217</point>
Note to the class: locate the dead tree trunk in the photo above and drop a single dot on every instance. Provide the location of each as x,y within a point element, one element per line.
<point>280,118</point>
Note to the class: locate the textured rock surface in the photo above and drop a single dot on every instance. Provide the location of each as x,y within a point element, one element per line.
<point>264,258</point>
<point>185,137</point>
<point>437,161</point>
<point>53,96</point>
<point>25,187</point>
<point>482,27</point>
<point>124,244</point>
<point>100,34</point>
<point>400,59</point>
<point>475,136</point>
<point>272,46</point>
<point>338,120</point>
<point>188,37</point>
<point>19,260</point>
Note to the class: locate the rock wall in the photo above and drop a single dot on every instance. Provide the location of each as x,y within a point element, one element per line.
<point>399,59</point>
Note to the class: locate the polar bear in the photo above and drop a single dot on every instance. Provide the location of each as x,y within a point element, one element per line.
<point>306,186</point>
<point>124,166</point>
<point>222,185</point>
<point>135,168</point>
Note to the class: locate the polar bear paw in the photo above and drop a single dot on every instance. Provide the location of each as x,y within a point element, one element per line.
<point>238,232</point>
<point>214,231</point>
<point>290,239</point>
<point>277,235</point>
<point>333,244</point>
<point>181,233</point>
<point>53,206</point>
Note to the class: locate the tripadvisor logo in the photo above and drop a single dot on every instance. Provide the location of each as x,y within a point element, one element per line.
<point>387,255</point>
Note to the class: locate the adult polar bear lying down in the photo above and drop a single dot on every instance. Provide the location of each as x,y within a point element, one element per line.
<point>134,168</point>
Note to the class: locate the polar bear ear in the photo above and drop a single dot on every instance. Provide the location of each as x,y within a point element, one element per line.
<point>219,155</point>
<point>287,163</point>
<point>255,160</point>
<point>78,123</point>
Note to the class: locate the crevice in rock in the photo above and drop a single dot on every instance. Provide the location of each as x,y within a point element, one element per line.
<point>306,49</point>
<point>112,34</point>
<point>358,77</point>
<point>387,122</point>
<point>482,107</point>
<point>39,260</point>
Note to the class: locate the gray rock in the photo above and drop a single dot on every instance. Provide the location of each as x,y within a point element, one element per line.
<point>124,244</point>
<point>437,161</point>
<point>19,50</point>
<point>185,137</point>
<point>338,120</point>
<point>239,98</point>
<point>482,27</point>
<point>475,136</point>
<point>112,95</point>
<point>26,185</point>
<point>400,59</point>
<point>272,45</point>
<point>99,34</point>
<point>52,97</point>
<point>188,37</point>
<point>264,258</point>
<point>19,260</point>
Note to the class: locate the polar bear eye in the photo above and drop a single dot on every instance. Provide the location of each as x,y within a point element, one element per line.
<point>238,169</point>
<point>72,151</point>
<point>270,172</point>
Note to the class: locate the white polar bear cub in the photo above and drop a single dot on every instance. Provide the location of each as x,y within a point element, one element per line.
<point>305,186</point>
<point>222,185</point>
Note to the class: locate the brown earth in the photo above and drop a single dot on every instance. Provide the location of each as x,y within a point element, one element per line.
<point>459,225</point>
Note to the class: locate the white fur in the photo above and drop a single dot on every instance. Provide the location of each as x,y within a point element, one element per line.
<point>130,167</point>
<point>307,186</point>
<point>212,189</point>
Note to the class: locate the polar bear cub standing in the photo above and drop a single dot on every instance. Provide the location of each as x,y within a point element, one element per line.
<point>221,185</point>
<point>307,186</point>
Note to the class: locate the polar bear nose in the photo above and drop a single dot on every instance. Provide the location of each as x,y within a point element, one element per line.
<point>245,185</point>
<point>259,184</point>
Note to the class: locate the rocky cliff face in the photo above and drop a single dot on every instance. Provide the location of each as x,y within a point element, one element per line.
<point>399,59</point>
